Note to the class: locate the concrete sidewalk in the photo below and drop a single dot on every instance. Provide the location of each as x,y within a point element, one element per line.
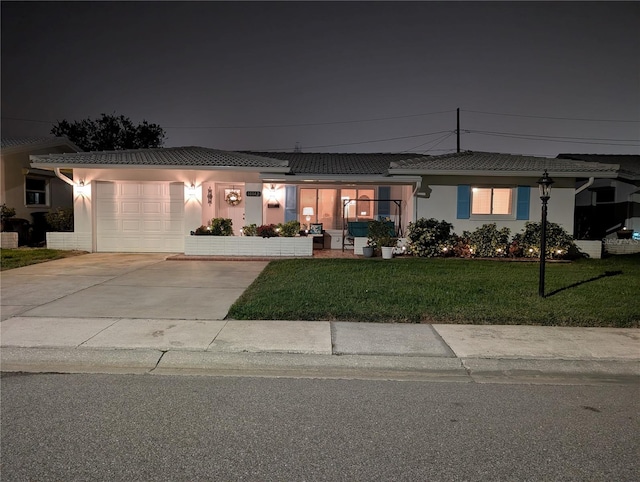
<point>319,348</point>
<point>139,313</point>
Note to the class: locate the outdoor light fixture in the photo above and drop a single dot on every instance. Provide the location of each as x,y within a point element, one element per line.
<point>209,195</point>
<point>272,202</point>
<point>191,190</point>
<point>544,183</point>
<point>82,188</point>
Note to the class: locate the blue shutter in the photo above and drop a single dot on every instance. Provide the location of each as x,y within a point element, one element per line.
<point>290,204</point>
<point>464,201</point>
<point>384,205</point>
<point>522,208</point>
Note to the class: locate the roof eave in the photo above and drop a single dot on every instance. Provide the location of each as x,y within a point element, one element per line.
<point>49,165</point>
<point>485,173</point>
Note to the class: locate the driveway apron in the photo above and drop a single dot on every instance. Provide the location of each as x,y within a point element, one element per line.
<point>134,286</point>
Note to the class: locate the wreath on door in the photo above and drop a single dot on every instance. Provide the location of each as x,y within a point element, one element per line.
<point>233,198</point>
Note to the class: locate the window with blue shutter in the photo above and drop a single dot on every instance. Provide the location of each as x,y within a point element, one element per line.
<point>524,197</point>
<point>464,201</point>
<point>384,205</point>
<point>290,204</point>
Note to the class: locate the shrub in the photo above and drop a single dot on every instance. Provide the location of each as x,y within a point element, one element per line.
<point>429,237</point>
<point>488,241</point>
<point>60,220</point>
<point>217,227</point>
<point>527,243</point>
<point>6,212</point>
<point>250,230</point>
<point>379,233</point>
<point>267,231</point>
<point>289,229</point>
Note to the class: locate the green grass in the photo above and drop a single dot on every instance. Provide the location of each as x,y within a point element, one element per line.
<point>602,292</point>
<point>16,258</point>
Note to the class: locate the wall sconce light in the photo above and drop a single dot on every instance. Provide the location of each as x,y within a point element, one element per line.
<point>209,195</point>
<point>191,190</point>
<point>272,202</point>
<point>82,189</point>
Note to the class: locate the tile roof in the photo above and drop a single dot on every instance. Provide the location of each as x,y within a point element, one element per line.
<point>162,157</point>
<point>629,163</point>
<point>337,163</point>
<point>26,142</point>
<point>492,162</point>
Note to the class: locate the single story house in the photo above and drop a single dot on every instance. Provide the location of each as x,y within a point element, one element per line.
<point>149,200</point>
<point>32,192</point>
<point>607,205</point>
<point>27,189</point>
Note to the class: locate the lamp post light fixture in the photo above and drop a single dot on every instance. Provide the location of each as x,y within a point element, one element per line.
<point>544,183</point>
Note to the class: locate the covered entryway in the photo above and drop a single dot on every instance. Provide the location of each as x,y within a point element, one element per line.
<point>140,217</point>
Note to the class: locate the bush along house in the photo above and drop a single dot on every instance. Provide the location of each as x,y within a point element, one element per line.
<point>151,200</point>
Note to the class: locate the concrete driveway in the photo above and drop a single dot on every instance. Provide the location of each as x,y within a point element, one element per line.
<point>119,285</point>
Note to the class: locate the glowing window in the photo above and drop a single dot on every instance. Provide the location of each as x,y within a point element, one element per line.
<point>491,200</point>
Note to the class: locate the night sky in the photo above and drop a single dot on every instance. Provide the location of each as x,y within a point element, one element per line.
<point>333,77</point>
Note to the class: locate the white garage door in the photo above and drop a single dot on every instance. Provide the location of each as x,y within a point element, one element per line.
<point>140,217</point>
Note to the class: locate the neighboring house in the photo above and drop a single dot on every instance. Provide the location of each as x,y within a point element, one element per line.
<point>150,199</point>
<point>32,191</point>
<point>604,206</point>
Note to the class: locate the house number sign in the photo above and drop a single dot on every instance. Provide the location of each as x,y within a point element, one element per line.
<point>253,193</point>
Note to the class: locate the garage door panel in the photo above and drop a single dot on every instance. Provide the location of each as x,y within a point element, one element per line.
<point>152,207</point>
<point>130,226</point>
<point>129,190</point>
<point>140,217</point>
<point>152,226</point>
<point>128,207</point>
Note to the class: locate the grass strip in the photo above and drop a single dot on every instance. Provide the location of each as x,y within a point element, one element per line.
<point>16,258</point>
<point>433,290</point>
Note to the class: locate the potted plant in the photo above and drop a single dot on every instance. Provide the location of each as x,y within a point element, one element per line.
<point>387,244</point>
<point>367,250</point>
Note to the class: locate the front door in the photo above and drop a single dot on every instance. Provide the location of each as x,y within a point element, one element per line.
<point>231,204</point>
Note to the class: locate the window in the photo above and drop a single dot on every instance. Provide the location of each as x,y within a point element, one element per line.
<point>36,191</point>
<point>605,195</point>
<point>327,205</point>
<point>491,200</point>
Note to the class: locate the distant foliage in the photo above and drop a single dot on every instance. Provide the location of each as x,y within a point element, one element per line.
<point>430,237</point>
<point>267,231</point>
<point>527,243</point>
<point>488,241</point>
<point>289,229</point>
<point>60,220</point>
<point>110,132</point>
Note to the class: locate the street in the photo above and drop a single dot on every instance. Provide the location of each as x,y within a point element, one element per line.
<point>150,427</point>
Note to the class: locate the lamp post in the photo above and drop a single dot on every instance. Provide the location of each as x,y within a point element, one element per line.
<point>544,183</point>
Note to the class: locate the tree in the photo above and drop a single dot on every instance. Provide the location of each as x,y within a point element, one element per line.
<point>110,132</point>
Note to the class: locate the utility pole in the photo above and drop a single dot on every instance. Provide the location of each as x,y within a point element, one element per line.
<point>458,129</point>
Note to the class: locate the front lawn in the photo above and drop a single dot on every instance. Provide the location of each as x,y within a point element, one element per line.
<point>594,292</point>
<point>15,258</point>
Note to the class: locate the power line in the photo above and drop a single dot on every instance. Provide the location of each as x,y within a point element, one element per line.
<point>267,126</point>
<point>572,140</point>
<point>358,143</point>
<point>309,124</point>
<point>543,136</point>
<point>437,141</point>
<point>549,117</point>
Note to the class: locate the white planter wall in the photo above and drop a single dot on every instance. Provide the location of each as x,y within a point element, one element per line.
<point>248,246</point>
<point>591,248</point>
<point>9,240</point>
<point>69,241</point>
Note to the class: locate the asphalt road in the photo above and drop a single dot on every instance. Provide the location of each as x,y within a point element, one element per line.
<point>147,428</point>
